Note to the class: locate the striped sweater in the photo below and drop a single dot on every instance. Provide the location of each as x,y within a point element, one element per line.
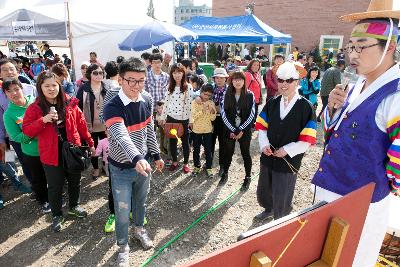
<point>131,129</point>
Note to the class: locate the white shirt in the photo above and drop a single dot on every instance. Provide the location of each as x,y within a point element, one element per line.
<point>293,148</point>
<point>126,100</point>
<point>178,105</point>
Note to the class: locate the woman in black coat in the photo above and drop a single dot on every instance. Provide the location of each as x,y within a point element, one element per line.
<point>238,113</point>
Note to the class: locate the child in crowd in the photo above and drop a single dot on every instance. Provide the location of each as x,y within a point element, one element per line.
<point>102,150</point>
<point>287,128</point>
<point>203,114</point>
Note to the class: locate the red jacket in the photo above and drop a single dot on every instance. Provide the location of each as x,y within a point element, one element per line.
<point>271,83</point>
<point>75,126</point>
<point>253,83</point>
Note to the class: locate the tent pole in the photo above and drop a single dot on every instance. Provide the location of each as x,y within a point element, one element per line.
<point>71,50</point>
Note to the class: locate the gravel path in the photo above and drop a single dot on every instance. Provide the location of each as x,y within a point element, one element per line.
<point>175,201</point>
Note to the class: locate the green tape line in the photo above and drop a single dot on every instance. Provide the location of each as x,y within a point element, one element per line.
<point>193,224</point>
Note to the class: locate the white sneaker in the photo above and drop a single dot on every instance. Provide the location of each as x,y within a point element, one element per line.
<point>141,234</point>
<point>123,256</point>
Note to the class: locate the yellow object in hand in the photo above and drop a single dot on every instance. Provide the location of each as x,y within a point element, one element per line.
<point>174,132</point>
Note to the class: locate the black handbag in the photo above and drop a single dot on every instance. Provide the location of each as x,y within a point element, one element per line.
<point>75,158</point>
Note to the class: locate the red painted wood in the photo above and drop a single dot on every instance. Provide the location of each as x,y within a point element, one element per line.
<point>308,245</point>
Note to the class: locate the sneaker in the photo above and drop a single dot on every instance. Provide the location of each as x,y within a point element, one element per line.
<point>46,208</point>
<point>1,204</point>
<point>196,171</point>
<point>109,227</point>
<point>57,223</point>
<point>263,215</point>
<point>63,202</point>
<point>168,163</point>
<point>186,169</point>
<point>123,256</point>
<point>173,167</point>
<point>131,217</point>
<point>24,189</point>
<point>224,179</point>
<point>78,212</point>
<point>246,184</point>
<point>141,234</point>
<point>33,196</point>
<point>209,173</point>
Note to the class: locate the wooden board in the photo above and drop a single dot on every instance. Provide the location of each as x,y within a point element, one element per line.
<point>308,245</point>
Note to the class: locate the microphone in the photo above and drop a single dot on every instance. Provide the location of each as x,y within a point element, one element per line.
<point>349,74</point>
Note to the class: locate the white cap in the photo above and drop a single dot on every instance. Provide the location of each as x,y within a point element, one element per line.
<point>286,71</point>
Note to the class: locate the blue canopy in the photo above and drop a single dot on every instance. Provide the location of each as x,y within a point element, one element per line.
<point>236,29</point>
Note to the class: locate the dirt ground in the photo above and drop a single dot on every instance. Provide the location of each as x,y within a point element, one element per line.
<point>175,201</point>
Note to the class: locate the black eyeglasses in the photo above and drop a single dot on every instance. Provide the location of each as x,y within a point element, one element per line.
<point>287,81</point>
<point>350,48</point>
<point>133,83</point>
<point>95,73</point>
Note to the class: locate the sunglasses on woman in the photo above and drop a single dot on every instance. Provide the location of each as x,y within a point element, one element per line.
<point>287,81</point>
<point>95,73</point>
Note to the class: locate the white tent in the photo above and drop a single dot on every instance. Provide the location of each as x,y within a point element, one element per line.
<point>95,25</point>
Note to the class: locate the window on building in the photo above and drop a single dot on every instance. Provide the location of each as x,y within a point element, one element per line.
<point>187,10</point>
<point>330,43</point>
<point>201,11</point>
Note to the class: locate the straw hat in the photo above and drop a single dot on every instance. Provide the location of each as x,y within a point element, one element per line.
<point>376,9</point>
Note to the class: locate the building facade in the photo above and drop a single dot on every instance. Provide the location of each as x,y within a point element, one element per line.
<point>186,10</point>
<point>310,22</point>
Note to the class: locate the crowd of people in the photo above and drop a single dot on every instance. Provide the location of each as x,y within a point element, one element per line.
<point>141,114</point>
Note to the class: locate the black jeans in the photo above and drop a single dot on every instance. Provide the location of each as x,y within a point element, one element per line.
<point>324,104</point>
<point>39,181</point>
<point>244,143</point>
<point>56,176</point>
<point>96,137</point>
<point>173,143</point>
<point>205,140</point>
<point>218,133</point>
<point>20,155</point>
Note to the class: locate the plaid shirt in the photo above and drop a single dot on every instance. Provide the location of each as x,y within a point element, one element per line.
<point>219,94</point>
<point>157,88</point>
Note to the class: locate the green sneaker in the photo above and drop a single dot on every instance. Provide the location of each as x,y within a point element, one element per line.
<point>131,217</point>
<point>196,171</point>
<point>110,224</point>
<point>209,173</point>
<point>78,212</point>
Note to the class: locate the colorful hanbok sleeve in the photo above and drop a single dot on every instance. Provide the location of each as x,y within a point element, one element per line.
<point>309,133</point>
<point>393,165</point>
<point>262,121</point>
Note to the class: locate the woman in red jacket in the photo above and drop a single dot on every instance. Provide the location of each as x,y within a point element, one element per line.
<point>253,81</point>
<point>42,121</point>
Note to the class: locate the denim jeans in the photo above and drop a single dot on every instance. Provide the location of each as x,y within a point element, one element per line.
<point>204,139</point>
<point>10,169</point>
<point>128,187</point>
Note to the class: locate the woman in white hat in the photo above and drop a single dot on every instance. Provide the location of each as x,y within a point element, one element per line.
<point>287,128</point>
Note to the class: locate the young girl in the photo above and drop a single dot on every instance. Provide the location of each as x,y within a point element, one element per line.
<point>238,112</point>
<point>178,109</point>
<point>51,119</point>
<point>102,150</point>
<point>311,85</point>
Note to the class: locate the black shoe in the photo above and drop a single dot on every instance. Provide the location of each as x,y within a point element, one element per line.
<point>263,215</point>
<point>221,170</point>
<point>246,184</point>
<point>57,223</point>
<point>318,119</point>
<point>224,179</point>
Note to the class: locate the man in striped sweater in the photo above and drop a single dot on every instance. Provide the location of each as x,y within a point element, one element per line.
<point>128,117</point>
